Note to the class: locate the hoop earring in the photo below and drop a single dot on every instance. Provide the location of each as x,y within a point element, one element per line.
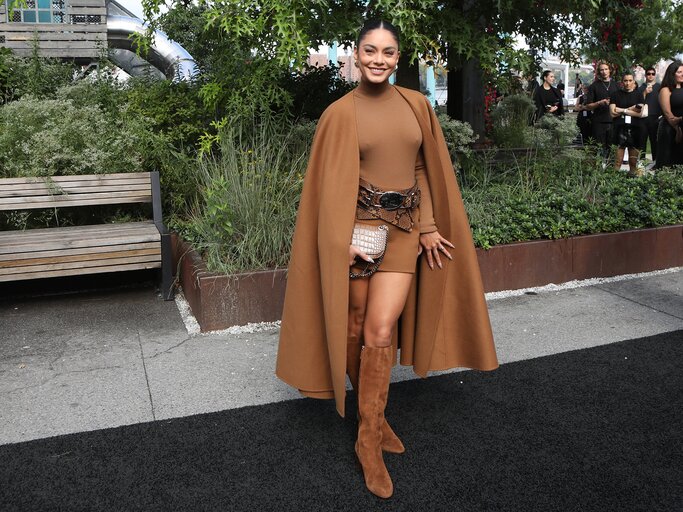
<point>355,63</point>
<point>396,68</point>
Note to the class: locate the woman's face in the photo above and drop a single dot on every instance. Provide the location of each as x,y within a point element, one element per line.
<point>550,78</point>
<point>377,55</point>
<point>679,75</point>
<point>629,82</point>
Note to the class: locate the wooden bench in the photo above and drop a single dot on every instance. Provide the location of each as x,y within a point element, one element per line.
<point>93,249</point>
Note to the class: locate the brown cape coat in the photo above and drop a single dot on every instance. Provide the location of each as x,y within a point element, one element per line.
<point>445,322</point>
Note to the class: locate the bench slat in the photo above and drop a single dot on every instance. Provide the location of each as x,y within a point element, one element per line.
<point>65,245</point>
<point>76,202</point>
<point>15,257</point>
<point>95,231</point>
<point>69,197</point>
<point>88,228</point>
<point>43,190</point>
<point>123,260</point>
<point>43,261</point>
<point>79,271</point>
<point>30,183</point>
<point>78,177</point>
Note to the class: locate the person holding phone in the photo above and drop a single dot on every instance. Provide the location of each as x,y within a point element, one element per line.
<point>547,98</point>
<point>598,102</point>
<point>627,109</point>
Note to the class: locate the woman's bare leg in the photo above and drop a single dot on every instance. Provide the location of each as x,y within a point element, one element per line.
<point>633,154</point>
<point>387,293</point>
<point>619,158</point>
<point>386,297</point>
<point>358,294</point>
<point>358,299</point>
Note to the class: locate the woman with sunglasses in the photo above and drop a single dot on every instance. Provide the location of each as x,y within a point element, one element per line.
<point>650,92</point>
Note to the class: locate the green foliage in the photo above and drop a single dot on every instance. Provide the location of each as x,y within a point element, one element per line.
<point>172,108</point>
<point>245,211</point>
<point>55,137</point>
<point>512,121</point>
<point>553,132</point>
<point>547,197</point>
<point>34,76</point>
<point>459,135</point>
<point>313,89</point>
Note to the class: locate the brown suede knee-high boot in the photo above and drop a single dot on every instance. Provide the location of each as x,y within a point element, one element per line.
<point>373,389</point>
<point>390,441</point>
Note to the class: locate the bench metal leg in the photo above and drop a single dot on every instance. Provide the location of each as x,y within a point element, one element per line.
<point>167,291</point>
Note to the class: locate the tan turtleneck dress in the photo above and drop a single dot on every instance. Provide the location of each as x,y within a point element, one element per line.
<point>390,143</point>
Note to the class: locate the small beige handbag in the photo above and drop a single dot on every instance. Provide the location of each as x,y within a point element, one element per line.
<point>372,240</point>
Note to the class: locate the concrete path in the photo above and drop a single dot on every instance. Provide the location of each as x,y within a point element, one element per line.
<point>80,362</point>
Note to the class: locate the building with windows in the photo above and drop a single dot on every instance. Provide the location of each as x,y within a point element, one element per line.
<point>74,29</point>
<point>82,30</point>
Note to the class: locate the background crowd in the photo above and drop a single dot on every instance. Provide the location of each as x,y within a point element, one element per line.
<point>624,114</point>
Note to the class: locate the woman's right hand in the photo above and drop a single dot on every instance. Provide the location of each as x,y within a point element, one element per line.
<point>355,251</point>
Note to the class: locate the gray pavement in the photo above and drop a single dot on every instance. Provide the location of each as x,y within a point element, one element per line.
<point>80,362</point>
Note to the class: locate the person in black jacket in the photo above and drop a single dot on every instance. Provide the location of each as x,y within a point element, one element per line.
<point>583,118</point>
<point>598,101</point>
<point>547,98</point>
<point>650,92</point>
<point>627,110</point>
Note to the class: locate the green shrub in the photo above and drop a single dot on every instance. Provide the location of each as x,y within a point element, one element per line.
<point>172,108</point>
<point>511,121</point>
<point>54,137</point>
<point>555,133</point>
<point>313,89</point>
<point>572,197</point>
<point>459,135</point>
<point>36,76</point>
<point>245,211</point>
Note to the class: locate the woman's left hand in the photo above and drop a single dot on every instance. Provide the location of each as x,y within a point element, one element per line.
<point>431,244</point>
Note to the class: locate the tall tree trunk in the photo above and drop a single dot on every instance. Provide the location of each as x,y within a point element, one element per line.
<point>466,93</point>
<point>408,75</point>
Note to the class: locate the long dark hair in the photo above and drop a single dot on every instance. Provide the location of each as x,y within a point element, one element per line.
<point>669,79</point>
<point>374,24</point>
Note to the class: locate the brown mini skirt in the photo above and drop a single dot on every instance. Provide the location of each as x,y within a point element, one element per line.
<point>402,246</point>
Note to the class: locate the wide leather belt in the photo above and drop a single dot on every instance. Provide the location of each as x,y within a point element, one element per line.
<point>393,206</point>
<point>388,199</point>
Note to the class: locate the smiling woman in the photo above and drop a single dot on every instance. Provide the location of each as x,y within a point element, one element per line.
<point>377,58</point>
<point>380,178</point>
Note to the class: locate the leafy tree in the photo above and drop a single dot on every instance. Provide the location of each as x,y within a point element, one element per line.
<point>458,32</point>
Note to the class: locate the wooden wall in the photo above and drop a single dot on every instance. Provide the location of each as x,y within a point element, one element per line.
<point>84,35</point>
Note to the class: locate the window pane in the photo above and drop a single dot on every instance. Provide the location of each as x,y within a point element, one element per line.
<point>44,16</point>
<point>44,4</point>
<point>29,16</point>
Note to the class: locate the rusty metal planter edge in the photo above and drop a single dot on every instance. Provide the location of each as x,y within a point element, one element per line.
<point>219,301</point>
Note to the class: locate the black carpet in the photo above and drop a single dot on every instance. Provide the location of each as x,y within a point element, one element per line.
<point>590,430</point>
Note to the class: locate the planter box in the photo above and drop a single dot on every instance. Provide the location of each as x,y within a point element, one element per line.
<point>219,301</point>
<point>541,262</point>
